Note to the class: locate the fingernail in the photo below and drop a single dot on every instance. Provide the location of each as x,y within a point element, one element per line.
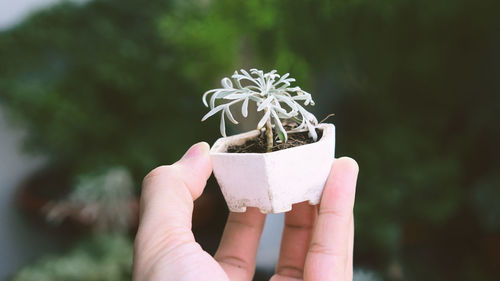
<point>196,150</point>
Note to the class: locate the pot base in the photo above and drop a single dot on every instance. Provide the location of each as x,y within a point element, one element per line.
<point>241,208</point>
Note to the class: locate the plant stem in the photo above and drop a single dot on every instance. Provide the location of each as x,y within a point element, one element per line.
<point>269,135</point>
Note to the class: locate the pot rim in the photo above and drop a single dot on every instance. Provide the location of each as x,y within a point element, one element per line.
<point>222,143</point>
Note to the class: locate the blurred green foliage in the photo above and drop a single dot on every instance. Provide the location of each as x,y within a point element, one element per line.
<point>413,84</point>
<point>99,85</point>
<point>101,258</point>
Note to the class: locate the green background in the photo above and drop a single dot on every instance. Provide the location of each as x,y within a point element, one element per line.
<point>414,86</point>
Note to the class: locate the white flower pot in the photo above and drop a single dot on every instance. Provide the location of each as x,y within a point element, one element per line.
<point>273,181</point>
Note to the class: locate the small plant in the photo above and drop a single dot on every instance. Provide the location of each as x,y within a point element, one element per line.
<point>272,94</point>
<point>269,181</point>
<point>100,200</point>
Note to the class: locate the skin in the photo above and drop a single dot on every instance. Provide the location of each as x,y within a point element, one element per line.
<point>317,241</point>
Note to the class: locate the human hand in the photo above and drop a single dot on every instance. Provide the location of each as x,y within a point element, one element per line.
<point>316,245</point>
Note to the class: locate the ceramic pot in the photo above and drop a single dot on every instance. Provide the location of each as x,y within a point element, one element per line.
<point>273,181</point>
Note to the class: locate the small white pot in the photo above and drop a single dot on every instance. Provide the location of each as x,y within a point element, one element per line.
<point>273,181</point>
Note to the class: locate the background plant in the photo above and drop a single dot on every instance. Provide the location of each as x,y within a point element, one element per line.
<point>272,94</point>
<point>104,201</point>
<point>99,258</point>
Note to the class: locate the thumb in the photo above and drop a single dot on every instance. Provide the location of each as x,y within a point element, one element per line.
<point>168,191</point>
<point>196,168</point>
<point>166,209</point>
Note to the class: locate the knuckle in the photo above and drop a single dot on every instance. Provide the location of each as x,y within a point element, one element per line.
<point>290,271</point>
<point>319,248</point>
<point>155,179</point>
<point>160,172</point>
<point>309,226</point>
<point>340,216</point>
<point>234,261</point>
<point>323,249</point>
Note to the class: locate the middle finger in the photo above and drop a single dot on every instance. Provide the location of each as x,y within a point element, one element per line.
<point>297,234</point>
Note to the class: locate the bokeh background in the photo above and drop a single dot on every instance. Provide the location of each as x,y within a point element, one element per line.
<point>94,94</point>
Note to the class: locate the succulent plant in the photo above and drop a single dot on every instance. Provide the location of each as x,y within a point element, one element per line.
<point>272,94</point>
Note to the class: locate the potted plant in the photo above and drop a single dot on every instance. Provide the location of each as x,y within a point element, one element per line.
<point>284,161</point>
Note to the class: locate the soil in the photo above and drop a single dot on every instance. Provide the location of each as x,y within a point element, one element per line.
<point>258,145</point>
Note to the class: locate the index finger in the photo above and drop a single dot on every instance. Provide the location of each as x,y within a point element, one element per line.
<point>328,253</point>
<point>238,246</point>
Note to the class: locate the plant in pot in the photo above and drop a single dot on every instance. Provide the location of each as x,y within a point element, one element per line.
<point>286,160</point>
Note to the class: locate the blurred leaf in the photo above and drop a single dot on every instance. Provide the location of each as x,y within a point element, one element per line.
<point>107,257</point>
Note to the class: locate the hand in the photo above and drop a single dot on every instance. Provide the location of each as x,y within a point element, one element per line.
<point>315,245</point>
